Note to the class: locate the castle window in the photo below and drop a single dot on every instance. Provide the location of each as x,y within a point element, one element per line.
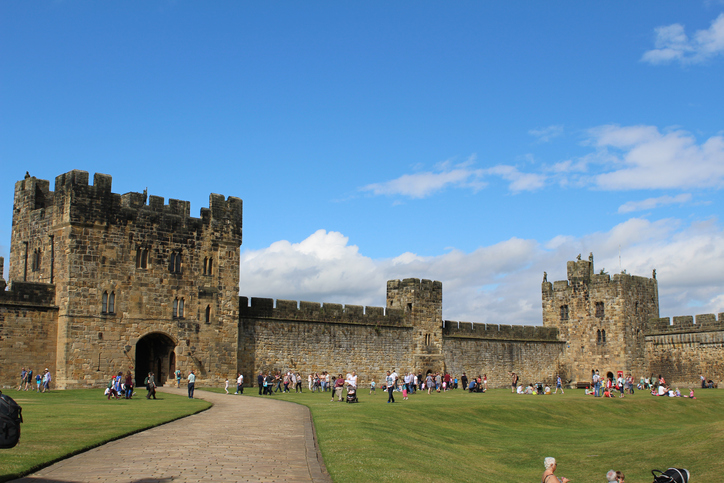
<point>208,314</point>
<point>564,312</point>
<point>428,339</point>
<point>108,303</point>
<point>208,265</point>
<point>35,262</point>
<point>601,336</point>
<point>175,263</point>
<point>599,309</point>
<point>636,308</point>
<point>178,308</point>
<point>142,257</point>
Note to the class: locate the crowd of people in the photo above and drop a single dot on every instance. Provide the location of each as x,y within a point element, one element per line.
<point>409,383</point>
<point>611,386</point>
<point>34,381</point>
<point>121,386</point>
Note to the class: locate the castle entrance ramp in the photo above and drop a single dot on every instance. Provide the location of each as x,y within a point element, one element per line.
<point>155,353</point>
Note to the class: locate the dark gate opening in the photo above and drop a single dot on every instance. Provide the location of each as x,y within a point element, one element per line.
<point>154,353</point>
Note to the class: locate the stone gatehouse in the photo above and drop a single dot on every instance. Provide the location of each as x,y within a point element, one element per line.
<point>103,282</point>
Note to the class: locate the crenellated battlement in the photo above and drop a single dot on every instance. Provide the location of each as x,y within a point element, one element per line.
<point>29,294</point>
<point>264,308</point>
<point>685,324</point>
<point>472,330</point>
<point>75,201</point>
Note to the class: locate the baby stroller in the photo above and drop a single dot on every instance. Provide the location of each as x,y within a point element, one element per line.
<point>672,475</point>
<point>352,394</point>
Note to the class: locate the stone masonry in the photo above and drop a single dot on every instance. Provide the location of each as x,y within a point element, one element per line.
<point>102,282</point>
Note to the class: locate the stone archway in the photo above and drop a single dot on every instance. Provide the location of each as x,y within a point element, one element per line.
<point>155,353</point>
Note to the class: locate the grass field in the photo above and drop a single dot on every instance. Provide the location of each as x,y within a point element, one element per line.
<point>452,437</point>
<point>502,437</point>
<point>63,423</point>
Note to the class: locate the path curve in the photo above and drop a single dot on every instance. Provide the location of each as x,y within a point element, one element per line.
<point>239,439</point>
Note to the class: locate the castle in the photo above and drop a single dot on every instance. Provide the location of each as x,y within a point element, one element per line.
<point>102,282</point>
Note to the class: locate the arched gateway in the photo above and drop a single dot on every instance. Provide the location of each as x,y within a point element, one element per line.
<point>155,353</point>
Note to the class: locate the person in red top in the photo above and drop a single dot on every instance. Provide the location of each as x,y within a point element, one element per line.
<point>338,388</point>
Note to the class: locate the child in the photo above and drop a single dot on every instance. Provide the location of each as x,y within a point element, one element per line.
<point>226,386</point>
<point>372,386</point>
<point>404,392</point>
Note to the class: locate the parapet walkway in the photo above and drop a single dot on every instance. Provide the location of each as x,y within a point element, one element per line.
<point>239,439</point>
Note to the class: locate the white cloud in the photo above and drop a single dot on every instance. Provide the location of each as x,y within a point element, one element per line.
<point>423,184</point>
<point>641,157</point>
<point>519,181</point>
<point>672,44</point>
<point>651,203</point>
<point>500,283</point>
<point>547,133</point>
<point>447,175</point>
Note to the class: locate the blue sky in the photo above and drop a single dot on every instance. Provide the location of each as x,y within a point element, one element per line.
<point>479,144</point>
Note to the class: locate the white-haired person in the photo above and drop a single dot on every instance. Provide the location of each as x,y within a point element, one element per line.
<point>550,465</point>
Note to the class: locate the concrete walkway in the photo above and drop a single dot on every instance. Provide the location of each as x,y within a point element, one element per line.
<point>240,438</point>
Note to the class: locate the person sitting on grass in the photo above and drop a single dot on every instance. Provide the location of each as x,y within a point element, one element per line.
<point>548,476</point>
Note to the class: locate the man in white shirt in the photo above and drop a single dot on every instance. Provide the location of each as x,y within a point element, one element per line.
<point>240,384</point>
<point>192,383</point>
<point>391,383</point>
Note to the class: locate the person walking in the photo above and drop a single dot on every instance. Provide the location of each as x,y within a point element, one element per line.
<point>391,381</point>
<point>559,384</point>
<point>150,386</point>
<point>240,384</point>
<point>23,373</point>
<point>192,383</point>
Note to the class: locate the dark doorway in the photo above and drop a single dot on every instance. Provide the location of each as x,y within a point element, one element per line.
<point>154,353</point>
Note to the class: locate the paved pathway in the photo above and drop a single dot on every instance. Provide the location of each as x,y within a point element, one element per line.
<point>239,439</point>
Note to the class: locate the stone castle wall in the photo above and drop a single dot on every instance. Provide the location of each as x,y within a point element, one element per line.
<point>497,350</point>
<point>686,348</point>
<point>601,319</point>
<point>310,337</point>
<point>28,317</point>
<point>98,281</point>
<point>107,244</point>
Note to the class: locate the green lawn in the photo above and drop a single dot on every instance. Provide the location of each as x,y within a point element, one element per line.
<point>62,423</point>
<point>502,437</point>
<point>450,437</point>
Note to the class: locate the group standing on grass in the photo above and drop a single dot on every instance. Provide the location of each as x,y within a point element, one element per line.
<point>42,381</point>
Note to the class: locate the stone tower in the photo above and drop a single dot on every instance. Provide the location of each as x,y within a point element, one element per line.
<point>601,319</point>
<point>137,285</point>
<point>421,301</point>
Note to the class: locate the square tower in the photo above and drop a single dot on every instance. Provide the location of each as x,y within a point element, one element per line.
<point>601,319</point>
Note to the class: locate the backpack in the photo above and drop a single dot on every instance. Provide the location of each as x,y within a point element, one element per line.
<point>10,418</point>
<point>672,475</point>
